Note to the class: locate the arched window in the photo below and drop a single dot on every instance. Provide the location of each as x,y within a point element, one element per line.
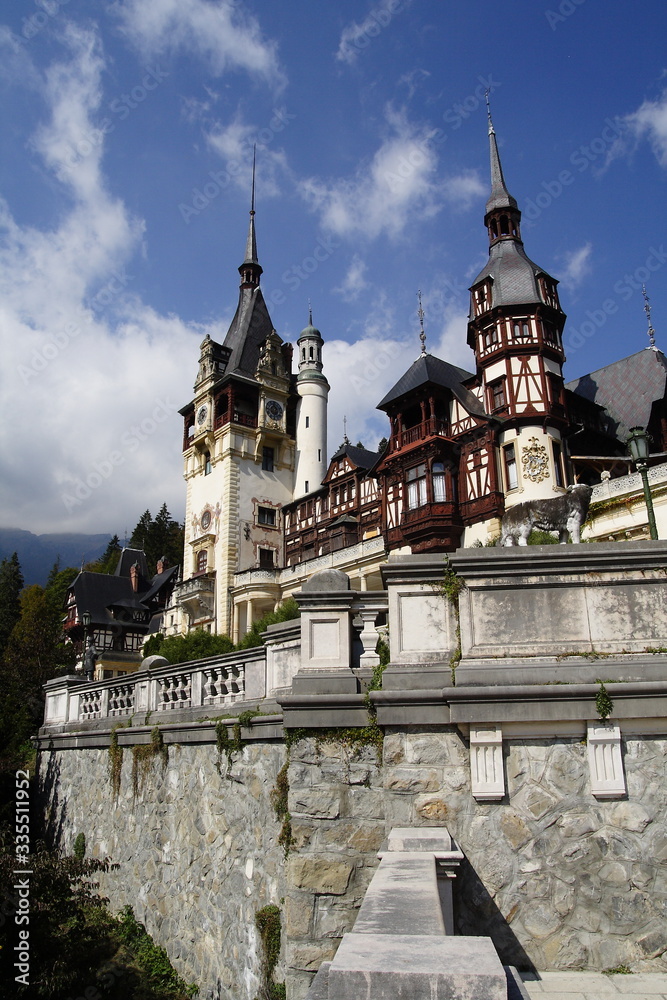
<point>202,560</point>
<point>438,479</point>
<point>504,226</point>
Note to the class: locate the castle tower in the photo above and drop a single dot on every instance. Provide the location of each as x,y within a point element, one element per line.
<point>238,451</point>
<point>311,427</point>
<point>515,329</point>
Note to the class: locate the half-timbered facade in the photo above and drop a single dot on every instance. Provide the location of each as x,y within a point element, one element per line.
<point>344,511</point>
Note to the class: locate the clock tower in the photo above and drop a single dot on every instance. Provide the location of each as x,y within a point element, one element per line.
<point>239,457</point>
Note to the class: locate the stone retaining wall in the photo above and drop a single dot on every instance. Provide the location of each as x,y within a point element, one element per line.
<point>556,878</point>
<point>197,850</point>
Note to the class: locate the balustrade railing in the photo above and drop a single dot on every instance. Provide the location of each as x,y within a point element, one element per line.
<point>121,699</point>
<point>249,675</point>
<point>90,705</point>
<point>224,684</point>
<point>174,691</point>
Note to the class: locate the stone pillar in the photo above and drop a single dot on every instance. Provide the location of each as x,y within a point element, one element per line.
<point>326,622</point>
<point>235,626</point>
<point>422,623</point>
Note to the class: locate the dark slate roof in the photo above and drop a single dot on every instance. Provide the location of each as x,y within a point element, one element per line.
<point>361,457</point>
<point>428,368</point>
<point>627,389</point>
<point>95,592</point>
<point>128,558</point>
<point>158,582</point>
<point>514,274</point>
<point>248,331</point>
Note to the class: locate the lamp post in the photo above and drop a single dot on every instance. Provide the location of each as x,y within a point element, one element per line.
<point>88,648</point>
<point>639,450</point>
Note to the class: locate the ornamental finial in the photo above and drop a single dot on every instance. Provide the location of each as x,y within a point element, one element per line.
<point>420,313</point>
<point>650,331</point>
<point>488,112</point>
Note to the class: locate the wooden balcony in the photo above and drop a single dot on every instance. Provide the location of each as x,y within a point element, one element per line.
<point>431,427</point>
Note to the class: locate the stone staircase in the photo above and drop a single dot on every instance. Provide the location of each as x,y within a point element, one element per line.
<point>402,945</point>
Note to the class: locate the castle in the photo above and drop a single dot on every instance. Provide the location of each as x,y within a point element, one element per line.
<point>266,508</point>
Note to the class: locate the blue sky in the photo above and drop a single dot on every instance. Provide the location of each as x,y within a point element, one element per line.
<point>127,131</point>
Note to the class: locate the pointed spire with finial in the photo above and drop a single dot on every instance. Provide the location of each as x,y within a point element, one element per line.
<point>346,439</point>
<point>500,196</point>
<point>650,331</point>
<point>310,314</point>
<point>420,313</point>
<point>250,269</point>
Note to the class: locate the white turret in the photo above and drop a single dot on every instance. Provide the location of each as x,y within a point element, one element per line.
<point>311,425</point>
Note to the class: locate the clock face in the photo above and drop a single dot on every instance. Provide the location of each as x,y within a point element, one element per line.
<point>274,409</point>
<point>201,414</point>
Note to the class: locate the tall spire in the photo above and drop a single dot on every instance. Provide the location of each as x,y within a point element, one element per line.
<point>250,269</point>
<point>500,196</point>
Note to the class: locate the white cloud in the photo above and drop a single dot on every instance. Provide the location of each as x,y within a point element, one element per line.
<point>649,121</point>
<point>399,185</point>
<point>576,266</point>
<point>234,144</point>
<point>357,36</point>
<point>362,371</point>
<point>91,377</point>
<point>222,33</point>
<point>354,282</point>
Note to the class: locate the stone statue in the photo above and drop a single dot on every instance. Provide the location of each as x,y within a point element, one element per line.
<point>89,661</point>
<point>564,514</point>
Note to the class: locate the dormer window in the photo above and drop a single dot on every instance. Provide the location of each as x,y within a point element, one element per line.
<point>482,301</point>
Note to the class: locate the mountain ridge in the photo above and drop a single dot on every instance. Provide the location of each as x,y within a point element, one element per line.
<point>38,553</point>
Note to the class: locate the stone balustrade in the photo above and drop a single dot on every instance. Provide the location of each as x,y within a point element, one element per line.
<point>213,682</point>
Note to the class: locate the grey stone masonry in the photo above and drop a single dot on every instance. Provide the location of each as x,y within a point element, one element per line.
<point>546,613</point>
<point>398,945</point>
<point>196,849</point>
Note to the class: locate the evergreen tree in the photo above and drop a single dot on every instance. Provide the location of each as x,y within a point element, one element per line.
<point>141,535</point>
<point>160,537</point>
<point>109,559</point>
<point>11,585</point>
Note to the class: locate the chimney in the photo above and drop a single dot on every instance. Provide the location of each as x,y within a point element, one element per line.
<point>161,565</point>
<point>134,577</point>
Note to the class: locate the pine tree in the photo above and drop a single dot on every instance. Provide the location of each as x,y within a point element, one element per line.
<point>11,585</point>
<point>160,537</point>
